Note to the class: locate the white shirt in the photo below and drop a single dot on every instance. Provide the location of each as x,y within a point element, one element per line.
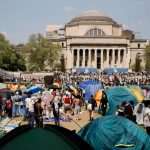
<point>30,104</point>
<point>146,118</point>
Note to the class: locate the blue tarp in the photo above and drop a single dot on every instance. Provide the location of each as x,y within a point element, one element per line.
<point>91,90</point>
<point>116,70</point>
<point>83,85</point>
<point>116,95</point>
<point>79,70</point>
<point>106,132</point>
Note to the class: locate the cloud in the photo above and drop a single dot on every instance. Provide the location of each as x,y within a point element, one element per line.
<point>68,8</point>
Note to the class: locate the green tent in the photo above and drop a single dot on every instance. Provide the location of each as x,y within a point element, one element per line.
<point>46,138</point>
<point>116,95</point>
<point>115,133</point>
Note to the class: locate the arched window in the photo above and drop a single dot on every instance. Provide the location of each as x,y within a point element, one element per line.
<point>95,32</point>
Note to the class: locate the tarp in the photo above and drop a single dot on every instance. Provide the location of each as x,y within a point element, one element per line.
<point>115,70</point>
<point>50,137</point>
<point>3,86</point>
<point>116,95</point>
<point>91,90</point>
<point>107,132</point>
<point>83,85</point>
<point>34,89</point>
<point>79,70</point>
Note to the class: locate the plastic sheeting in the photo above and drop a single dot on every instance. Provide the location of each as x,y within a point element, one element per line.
<point>91,90</point>
<point>116,95</point>
<point>116,70</point>
<point>83,85</point>
<point>107,132</point>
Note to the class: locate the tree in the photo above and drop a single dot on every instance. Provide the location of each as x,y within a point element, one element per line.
<point>147,57</point>
<point>9,58</point>
<point>41,51</point>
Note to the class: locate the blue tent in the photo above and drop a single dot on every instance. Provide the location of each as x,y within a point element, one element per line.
<point>114,132</point>
<point>83,85</point>
<point>91,90</point>
<point>116,95</point>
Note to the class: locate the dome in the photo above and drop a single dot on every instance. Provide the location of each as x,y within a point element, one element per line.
<point>91,16</point>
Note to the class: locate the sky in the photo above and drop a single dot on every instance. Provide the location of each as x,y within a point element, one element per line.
<point>21,18</point>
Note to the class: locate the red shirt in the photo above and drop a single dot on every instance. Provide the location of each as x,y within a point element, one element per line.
<point>67,100</point>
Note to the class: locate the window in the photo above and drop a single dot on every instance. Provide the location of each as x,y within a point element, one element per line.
<point>95,32</point>
<point>139,45</point>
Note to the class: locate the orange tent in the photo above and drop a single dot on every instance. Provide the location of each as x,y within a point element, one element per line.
<point>138,95</point>
<point>98,96</point>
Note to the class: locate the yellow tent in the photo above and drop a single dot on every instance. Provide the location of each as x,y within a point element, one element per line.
<point>56,84</point>
<point>138,95</point>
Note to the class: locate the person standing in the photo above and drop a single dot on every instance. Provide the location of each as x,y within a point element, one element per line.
<point>30,110</point>
<point>138,112</point>
<point>91,107</point>
<point>9,106</point>
<point>38,112</point>
<point>56,104</point>
<point>128,111</point>
<point>147,118</point>
<point>77,108</point>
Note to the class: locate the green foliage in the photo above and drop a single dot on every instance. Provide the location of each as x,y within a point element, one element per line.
<point>147,58</point>
<point>41,50</point>
<point>9,58</point>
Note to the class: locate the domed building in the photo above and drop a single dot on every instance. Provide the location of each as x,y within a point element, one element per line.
<point>93,41</point>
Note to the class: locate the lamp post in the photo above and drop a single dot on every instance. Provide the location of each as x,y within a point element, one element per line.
<point>20,78</point>
<point>142,76</point>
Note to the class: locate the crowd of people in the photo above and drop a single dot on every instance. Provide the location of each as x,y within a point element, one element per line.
<point>63,101</point>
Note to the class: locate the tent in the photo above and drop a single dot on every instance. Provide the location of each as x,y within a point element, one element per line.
<point>114,132</point>
<point>3,86</point>
<point>91,90</point>
<point>137,91</point>
<point>49,137</point>
<point>83,85</point>
<point>116,95</point>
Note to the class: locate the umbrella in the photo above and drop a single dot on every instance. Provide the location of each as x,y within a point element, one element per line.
<point>2,86</point>
<point>34,89</point>
<point>49,137</point>
<point>53,87</point>
<point>6,93</point>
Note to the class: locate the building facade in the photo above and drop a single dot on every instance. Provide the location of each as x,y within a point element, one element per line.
<point>93,40</point>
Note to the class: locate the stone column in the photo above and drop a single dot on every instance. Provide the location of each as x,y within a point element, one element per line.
<point>124,58</point>
<point>102,59</point>
<point>107,59</point>
<point>118,62</point>
<point>89,59</point>
<point>73,58</point>
<point>95,58</point>
<point>113,58</point>
<point>83,61</point>
<point>78,59</point>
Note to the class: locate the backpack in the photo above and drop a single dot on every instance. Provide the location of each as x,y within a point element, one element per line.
<point>140,108</point>
<point>9,105</point>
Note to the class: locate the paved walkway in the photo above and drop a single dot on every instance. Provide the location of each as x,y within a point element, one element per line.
<point>74,125</point>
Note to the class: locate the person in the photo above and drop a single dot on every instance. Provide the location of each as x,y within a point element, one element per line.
<point>103,104</point>
<point>56,104</point>
<point>119,111</point>
<point>91,107</point>
<point>9,106</point>
<point>147,118</point>
<point>77,108</point>
<point>1,108</point>
<point>128,112</point>
<point>138,112</point>
<point>30,110</point>
<point>38,113</point>
<point>67,105</point>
